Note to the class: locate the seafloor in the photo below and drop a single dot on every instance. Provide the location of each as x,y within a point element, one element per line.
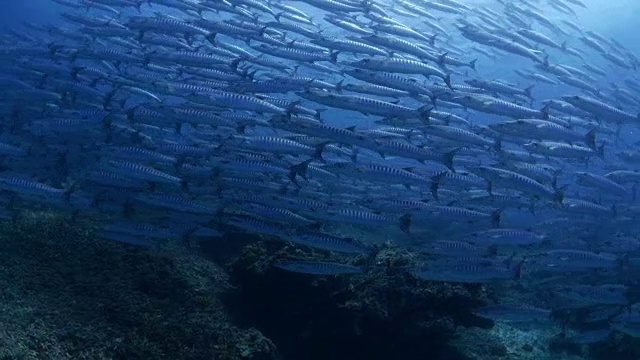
<point>65,294</point>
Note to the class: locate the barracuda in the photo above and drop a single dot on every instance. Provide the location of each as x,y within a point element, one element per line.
<point>405,67</point>
<point>513,180</point>
<point>366,105</point>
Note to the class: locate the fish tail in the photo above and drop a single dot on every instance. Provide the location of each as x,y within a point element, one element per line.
<point>75,70</point>
<point>435,184</point>
<point>263,30</point>
<point>234,64</point>
<point>354,155</point>
<point>600,150</point>
<point>442,59</point>
<point>558,196</point>
<point>590,138</point>
<point>131,114</point>
<point>299,169</point>
<point>545,111</point>
<point>405,223</point>
<point>425,113</point>
<point>472,64</point>
<point>527,91</point>
<point>291,108</point>
<point>497,145</point>
<point>108,97</point>
<point>434,189</point>
<point>495,218</point>
<point>186,234</point>
<point>74,56</point>
<point>623,261</point>
<point>447,80</point>
<point>334,57</point>
<point>211,37</point>
<point>147,59</point>
<point>432,39</point>
<point>447,159</point>
<point>517,270</point>
<point>69,187</point>
<point>317,154</point>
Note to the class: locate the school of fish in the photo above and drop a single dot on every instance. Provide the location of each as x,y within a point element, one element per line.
<point>493,138</point>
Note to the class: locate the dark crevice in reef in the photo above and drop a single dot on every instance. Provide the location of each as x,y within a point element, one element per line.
<point>383,314</point>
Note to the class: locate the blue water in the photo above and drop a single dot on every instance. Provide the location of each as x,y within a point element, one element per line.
<point>566,276</point>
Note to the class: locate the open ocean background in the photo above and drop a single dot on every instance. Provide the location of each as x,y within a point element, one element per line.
<point>220,296</point>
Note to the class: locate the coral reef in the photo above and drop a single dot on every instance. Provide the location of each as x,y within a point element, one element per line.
<point>382,314</point>
<point>621,347</point>
<point>67,295</point>
<point>504,342</point>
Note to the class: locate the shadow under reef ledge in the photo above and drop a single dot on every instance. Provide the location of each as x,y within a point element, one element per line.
<point>66,294</point>
<point>384,313</point>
